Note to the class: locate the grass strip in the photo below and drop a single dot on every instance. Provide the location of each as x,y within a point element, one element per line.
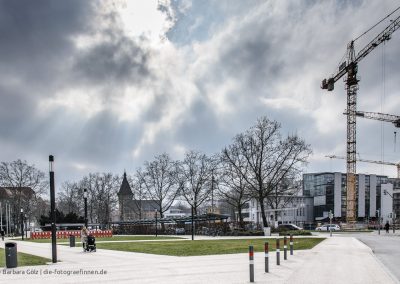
<point>24,259</point>
<point>206,247</point>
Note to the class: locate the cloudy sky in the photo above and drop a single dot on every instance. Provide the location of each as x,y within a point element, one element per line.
<point>106,85</point>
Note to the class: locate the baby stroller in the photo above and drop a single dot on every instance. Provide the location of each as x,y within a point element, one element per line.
<point>90,244</point>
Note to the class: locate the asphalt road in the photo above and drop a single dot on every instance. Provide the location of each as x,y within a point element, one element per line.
<point>386,248</point>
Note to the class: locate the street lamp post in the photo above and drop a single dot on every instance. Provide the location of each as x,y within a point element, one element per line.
<point>22,223</point>
<point>1,217</point>
<point>53,210</point>
<point>155,213</point>
<point>393,215</point>
<point>378,212</point>
<point>192,219</point>
<point>85,201</point>
<point>26,225</point>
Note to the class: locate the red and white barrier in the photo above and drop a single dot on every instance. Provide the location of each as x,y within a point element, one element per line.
<point>66,234</point>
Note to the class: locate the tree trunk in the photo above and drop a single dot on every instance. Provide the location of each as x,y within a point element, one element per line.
<point>162,224</point>
<point>264,217</point>
<point>241,223</point>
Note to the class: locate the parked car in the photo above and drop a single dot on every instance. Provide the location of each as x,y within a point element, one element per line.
<point>288,227</point>
<point>180,231</point>
<point>328,227</point>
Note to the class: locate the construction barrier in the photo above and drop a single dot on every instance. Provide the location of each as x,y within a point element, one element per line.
<point>66,234</point>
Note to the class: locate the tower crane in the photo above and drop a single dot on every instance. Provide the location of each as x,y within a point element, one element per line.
<point>370,161</point>
<point>350,67</point>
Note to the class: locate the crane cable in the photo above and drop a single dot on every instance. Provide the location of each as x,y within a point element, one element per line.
<point>376,24</point>
<point>364,33</point>
<point>382,104</point>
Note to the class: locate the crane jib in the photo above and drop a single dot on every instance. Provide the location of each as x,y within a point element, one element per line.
<point>344,68</point>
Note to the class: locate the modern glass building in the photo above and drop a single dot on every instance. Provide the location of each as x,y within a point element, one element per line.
<point>329,192</point>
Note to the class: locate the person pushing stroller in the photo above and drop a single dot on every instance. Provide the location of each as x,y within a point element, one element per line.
<point>84,236</point>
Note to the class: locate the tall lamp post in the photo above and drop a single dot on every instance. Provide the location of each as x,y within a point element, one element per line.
<point>393,215</point>
<point>155,214</point>
<point>53,210</point>
<point>22,223</point>
<point>192,219</point>
<point>85,200</point>
<point>378,212</point>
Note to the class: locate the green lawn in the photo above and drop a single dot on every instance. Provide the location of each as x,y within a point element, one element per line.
<point>205,247</point>
<point>24,259</point>
<point>114,238</point>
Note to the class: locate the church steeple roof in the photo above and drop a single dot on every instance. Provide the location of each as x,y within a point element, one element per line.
<point>125,188</point>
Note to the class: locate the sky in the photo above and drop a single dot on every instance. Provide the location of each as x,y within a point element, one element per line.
<point>106,85</point>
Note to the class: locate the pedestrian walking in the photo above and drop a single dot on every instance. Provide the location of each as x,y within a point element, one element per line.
<point>387,226</point>
<point>2,234</point>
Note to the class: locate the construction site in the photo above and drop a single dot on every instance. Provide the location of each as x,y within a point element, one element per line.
<point>364,197</point>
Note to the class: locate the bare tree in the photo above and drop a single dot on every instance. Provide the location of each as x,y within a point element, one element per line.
<point>160,181</point>
<point>269,158</point>
<point>283,194</point>
<point>27,183</point>
<point>195,175</point>
<point>102,195</point>
<point>139,193</point>
<point>69,199</point>
<point>233,188</point>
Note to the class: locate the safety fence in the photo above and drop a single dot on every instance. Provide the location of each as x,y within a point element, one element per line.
<point>66,234</point>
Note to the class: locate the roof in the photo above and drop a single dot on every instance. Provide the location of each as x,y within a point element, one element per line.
<point>185,219</point>
<point>146,205</point>
<point>125,188</point>
<point>8,192</point>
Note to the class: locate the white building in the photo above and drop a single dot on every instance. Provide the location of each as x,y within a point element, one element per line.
<point>291,210</point>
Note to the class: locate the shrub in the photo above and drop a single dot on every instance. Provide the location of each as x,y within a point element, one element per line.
<point>295,233</point>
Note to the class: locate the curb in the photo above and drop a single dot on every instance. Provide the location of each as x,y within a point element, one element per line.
<point>388,272</point>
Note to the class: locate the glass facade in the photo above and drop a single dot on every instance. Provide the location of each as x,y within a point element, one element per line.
<point>321,186</point>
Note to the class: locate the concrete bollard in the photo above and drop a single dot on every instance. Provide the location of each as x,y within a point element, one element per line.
<point>266,249</point>
<point>291,244</point>
<point>284,248</point>
<point>251,259</point>
<point>278,260</point>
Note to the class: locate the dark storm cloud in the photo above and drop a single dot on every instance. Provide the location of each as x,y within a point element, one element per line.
<point>35,41</point>
<point>15,110</point>
<point>37,52</point>
<point>35,36</point>
<point>103,139</point>
<point>118,60</point>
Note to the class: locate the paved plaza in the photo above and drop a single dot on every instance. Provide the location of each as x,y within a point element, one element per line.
<point>339,259</point>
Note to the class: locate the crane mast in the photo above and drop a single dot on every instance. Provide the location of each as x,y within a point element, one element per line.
<point>350,67</point>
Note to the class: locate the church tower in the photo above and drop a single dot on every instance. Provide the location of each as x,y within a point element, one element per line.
<point>125,196</point>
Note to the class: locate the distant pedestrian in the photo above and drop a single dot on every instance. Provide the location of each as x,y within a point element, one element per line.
<point>387,226</point>
<point>2,234</point>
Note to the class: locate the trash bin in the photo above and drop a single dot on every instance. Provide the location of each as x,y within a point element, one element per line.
<point>71,241</point>
<point>11,255</point>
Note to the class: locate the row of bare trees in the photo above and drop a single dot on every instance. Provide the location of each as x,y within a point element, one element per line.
<point>259,163</point>
<point>23,187</point>
<point>102,199</point>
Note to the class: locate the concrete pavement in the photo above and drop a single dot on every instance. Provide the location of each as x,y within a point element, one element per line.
<point>335,260</point>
